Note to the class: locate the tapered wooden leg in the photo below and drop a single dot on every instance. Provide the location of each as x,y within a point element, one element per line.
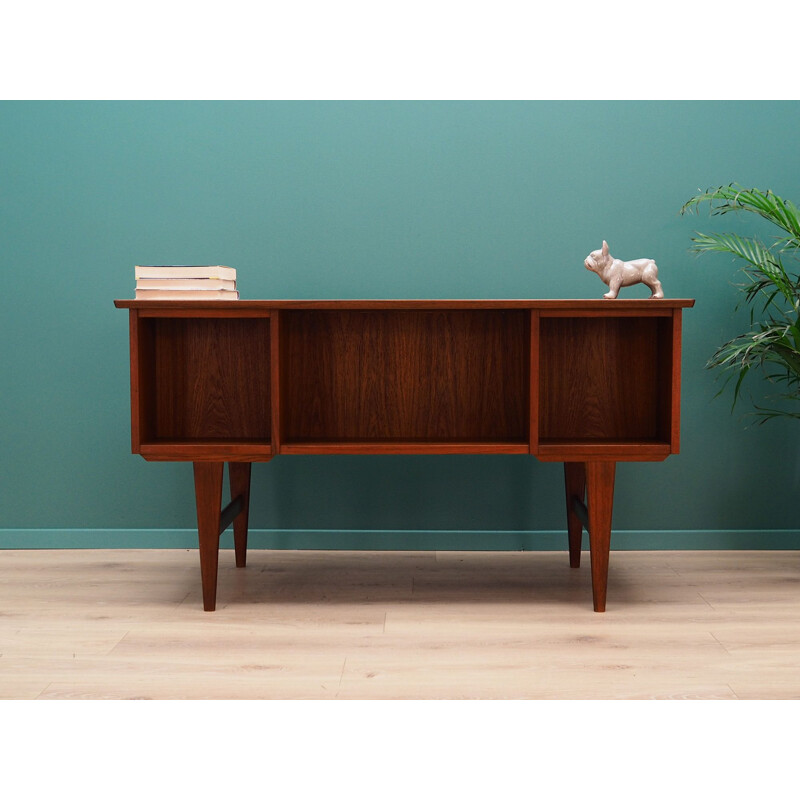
<point>239,474</point>
<point>575,483</point>
<point>208,496</point>
<point>600,501</point>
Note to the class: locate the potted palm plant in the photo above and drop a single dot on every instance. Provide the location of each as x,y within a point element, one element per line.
<point>771,290</point>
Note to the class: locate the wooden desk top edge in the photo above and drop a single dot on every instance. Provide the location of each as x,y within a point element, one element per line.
<point>543,305</point>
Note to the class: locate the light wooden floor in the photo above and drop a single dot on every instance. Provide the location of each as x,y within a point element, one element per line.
<point>379,625</point>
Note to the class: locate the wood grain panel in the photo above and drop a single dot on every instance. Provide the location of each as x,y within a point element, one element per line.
<point>599,307</point>
<point>601,379</point>
<point>674,370</point>
<point>275,379</point>
<point>534,373</point>
<point>407,447</point>
<point>210,379</point>
<point>666,361</point>
<point>433,375</point>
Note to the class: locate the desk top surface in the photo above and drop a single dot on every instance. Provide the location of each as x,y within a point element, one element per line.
<point>637,305</point>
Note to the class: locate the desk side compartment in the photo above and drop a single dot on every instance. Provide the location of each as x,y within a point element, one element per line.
<point>609,386</point>
<point>440,380</point>
<point>200,386</point>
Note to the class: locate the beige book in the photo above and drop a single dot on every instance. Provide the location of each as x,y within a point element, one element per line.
<point>179,271</point>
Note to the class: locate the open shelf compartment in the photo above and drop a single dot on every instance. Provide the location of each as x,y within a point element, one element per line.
<point>606,385</point>
<point>443,380</point>
<point>203,383</point>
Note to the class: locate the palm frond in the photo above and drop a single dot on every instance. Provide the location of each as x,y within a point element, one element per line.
<point>733,197</point>
<point>751,250</point>
<point>765,414</point>
<point>763,265</point>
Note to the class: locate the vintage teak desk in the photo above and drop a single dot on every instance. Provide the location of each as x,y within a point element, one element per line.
<point>584,382</point>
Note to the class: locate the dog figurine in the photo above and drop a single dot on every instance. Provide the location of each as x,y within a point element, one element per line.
<point>616,274</point>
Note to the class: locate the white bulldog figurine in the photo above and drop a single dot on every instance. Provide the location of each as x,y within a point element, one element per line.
<point>616,273</point>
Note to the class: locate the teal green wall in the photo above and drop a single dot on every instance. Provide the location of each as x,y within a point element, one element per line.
<point>368,199</point>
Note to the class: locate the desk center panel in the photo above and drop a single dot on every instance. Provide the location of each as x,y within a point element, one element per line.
<point>438,376</point>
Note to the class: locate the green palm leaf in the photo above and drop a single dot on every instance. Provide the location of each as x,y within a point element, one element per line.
<point>751,250</point>
<point>733,197</point>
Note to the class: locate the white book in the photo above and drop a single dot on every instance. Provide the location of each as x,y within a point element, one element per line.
<point>181,271</point>
<point>199,284</point>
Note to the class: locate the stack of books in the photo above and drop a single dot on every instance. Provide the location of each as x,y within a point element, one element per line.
<point>186,283</point>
